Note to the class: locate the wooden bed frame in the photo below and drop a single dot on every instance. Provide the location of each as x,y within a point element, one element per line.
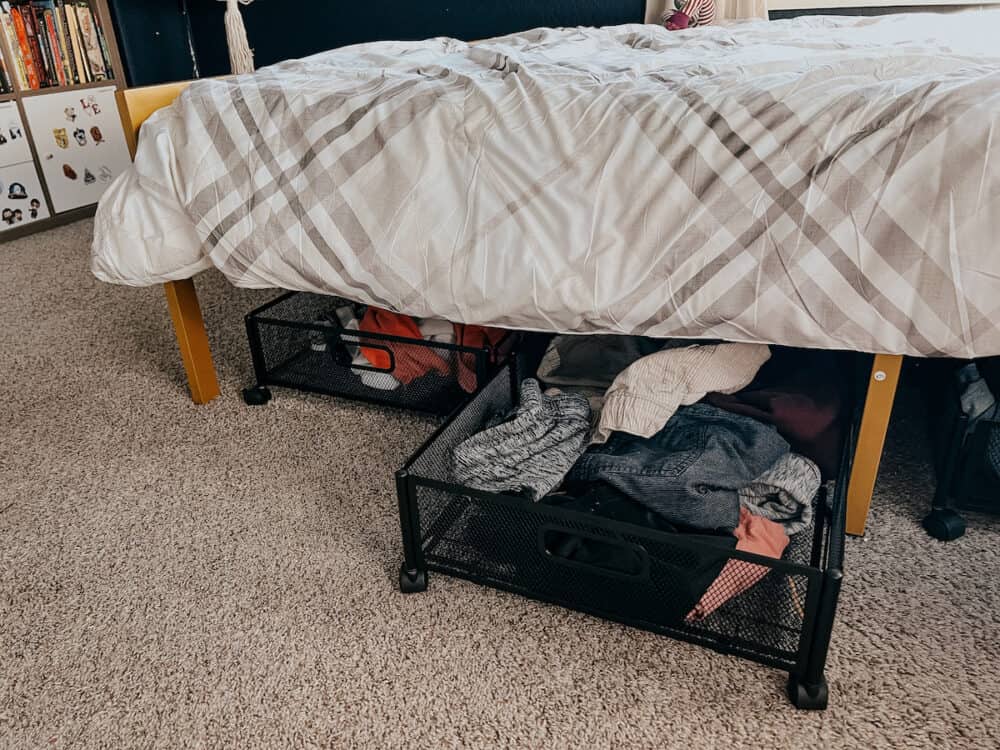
<point>138,104</point>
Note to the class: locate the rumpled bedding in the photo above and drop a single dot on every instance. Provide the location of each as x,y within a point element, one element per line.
<point>826,182</point>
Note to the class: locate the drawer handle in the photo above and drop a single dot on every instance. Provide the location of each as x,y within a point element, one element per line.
<point>611,557</point>
<point>337,343</point>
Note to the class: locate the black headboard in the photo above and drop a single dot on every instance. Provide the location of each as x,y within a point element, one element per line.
<point>154,39</point>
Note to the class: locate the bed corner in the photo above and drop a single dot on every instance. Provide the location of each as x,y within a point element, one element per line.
<point>136,105</point>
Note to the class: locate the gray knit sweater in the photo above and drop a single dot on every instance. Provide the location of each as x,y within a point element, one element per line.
<point>532,452</point>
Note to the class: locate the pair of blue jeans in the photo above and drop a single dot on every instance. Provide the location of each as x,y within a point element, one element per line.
<point>691,471</point>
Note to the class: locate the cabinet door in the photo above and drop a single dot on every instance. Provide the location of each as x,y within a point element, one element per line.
<point>21,198</point>
<point>80,142</point>
<point>153,37</point>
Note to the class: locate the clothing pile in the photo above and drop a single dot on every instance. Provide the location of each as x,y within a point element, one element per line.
<point>386,364</point>
<point>979,385</point>
<point>728,443</point>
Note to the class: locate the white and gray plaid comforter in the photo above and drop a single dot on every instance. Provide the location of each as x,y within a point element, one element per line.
<point>820,182</point>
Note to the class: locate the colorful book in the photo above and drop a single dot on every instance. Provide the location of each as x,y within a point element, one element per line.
<point>105,49</point>
<point>27,52</point>
<point>5,84</point>
<point>53,43</point>
<point>37,45</point>
<point>59,17</point>
<point>42,35</point>
<point>48,16</point>
<point>44,11</point>
<point>10,36</point>
<point>91,42</point>
<point>86,76</point>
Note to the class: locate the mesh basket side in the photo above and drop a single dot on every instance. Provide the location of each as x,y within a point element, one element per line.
<point>433,461</point>
<point>298,343</point>
<point>655,581</point>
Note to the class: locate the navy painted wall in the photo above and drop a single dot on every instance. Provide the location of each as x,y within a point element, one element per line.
<point>154,42</point>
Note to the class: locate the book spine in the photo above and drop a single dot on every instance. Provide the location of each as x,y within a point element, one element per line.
<point>8,82</point>
<point>103,40</point>
<point>21,29</point>
<point>81,57</point>
<point>71,38</point>
<point>20,72</point>
<point>36,43</point>
<point>91,44</point>
<point>57,58</point>
<point>67,51</point>
<point>57,19</point>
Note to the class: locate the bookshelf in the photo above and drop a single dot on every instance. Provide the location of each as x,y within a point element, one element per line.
<point>73,141</point>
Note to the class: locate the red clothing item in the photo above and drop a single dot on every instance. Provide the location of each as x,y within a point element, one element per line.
<point>803,395</point>
<point>478,337</point>
<point>754,534</point>
<point>411,360</point>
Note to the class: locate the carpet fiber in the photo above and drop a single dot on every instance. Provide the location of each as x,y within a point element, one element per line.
<point>224,576</point>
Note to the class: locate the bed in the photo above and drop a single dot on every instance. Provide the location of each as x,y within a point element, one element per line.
<point>820,182</point>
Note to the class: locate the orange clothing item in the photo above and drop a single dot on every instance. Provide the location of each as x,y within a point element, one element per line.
<point>754,534</point>
<point>411,360</point>
<point>478,337</point>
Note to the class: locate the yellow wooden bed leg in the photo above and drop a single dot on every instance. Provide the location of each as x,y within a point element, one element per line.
<point>192,340</point>
<point>871,440</point>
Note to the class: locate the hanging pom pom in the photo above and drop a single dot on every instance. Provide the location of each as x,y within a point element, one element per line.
<point>240,54</point>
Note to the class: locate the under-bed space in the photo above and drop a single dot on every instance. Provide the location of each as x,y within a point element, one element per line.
<point>689,585</point>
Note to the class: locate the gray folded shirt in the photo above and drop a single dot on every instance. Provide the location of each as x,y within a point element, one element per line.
<point>532,452</point>
<point>784,493</point>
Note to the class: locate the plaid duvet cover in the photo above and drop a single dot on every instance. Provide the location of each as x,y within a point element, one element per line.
<point>822,182</point>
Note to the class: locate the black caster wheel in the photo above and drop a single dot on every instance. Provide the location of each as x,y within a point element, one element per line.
<point>944,524</point>
<point>808,697</point>
<point>256,396</point>
<point>412,581</point>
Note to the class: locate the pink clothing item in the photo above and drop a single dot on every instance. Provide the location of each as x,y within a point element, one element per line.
<point>692,13</point>
<point>754,534</point>
<point>678,21</point>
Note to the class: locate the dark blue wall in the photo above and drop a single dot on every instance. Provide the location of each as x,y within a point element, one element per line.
<point>154,42</point>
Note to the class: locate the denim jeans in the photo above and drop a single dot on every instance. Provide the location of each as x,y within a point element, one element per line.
<point>691,471</point>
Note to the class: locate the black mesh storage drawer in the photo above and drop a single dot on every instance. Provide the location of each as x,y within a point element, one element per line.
<point>646,578</point>
<point>967,463</point>
<point>977,480</point>
<point>299,341</point>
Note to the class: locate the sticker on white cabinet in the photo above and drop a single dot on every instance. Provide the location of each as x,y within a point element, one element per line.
<point>21,197</point>
<point>14,148</point>
<point>80,142</point>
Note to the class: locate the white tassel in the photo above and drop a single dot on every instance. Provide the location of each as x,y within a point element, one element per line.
<point>240,54</point>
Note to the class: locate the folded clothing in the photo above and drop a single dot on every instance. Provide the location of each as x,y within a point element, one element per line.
<point>691,471</point>
<point>591,361</point>
<point>588,364</point>
<point>646,395</point>
<point>784,493</point>
<point>405,362</point>
<point>755,535</point>
<point>803,395</point>
<point>531,452</point>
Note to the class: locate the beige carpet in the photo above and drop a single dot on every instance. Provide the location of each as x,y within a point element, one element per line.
<point>174,576</point>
